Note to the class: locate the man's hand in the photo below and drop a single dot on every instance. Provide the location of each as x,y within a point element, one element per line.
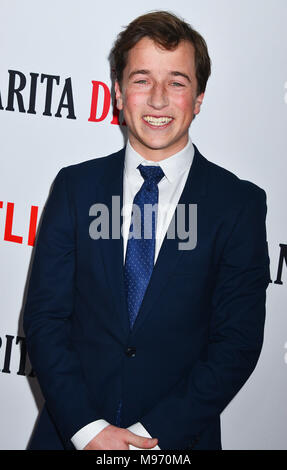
<point>114,438</point>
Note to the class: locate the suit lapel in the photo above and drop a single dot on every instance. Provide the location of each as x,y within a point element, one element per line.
<point>112,248</point>
<point>169,255</point>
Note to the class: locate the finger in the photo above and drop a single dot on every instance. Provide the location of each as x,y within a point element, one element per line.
<point>142,442</point>
<point>149,443</point>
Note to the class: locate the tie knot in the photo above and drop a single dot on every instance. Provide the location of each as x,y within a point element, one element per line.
<point>151,174</point>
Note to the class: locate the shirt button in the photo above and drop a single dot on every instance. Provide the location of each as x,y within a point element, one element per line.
<point>131,352</point>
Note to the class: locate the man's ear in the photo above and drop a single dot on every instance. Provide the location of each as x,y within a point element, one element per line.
<point>119,96</point>
<point>198,103</point>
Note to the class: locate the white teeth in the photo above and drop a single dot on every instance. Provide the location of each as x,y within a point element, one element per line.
<point>161,121</point>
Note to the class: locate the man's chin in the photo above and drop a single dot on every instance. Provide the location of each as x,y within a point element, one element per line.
<point>170,146</point>
<point>157,143</point>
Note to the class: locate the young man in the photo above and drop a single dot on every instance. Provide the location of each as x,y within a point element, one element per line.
<point>142,341</point>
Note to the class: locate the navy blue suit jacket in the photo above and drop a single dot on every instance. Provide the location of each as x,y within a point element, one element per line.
<point>199,331</point>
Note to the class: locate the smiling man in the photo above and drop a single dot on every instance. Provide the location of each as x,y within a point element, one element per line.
<point>137,343</point>
<point>158,93</point>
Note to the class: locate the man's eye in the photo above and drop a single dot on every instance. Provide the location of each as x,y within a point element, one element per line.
<point>177,84</point>
<point>140,81</point>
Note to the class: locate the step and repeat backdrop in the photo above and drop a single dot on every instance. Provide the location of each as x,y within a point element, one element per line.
<point>57,108</point>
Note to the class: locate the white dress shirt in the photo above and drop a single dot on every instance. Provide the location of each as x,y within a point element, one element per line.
<point>176,169</point>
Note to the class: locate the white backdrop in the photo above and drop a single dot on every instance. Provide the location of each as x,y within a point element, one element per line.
<point>242,126</point>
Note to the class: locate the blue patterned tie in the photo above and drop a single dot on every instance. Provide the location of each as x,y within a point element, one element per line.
<point>141,247</point>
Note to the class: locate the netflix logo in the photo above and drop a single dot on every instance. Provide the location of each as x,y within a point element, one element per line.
<point>23,91</point>
<point>7,210</point>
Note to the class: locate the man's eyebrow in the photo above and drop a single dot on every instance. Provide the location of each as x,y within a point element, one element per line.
<point>174,73</point>
<point>139,72</point>
<point>180,74</point>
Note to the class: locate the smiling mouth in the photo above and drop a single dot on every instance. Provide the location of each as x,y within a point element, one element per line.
<point>157,121</point>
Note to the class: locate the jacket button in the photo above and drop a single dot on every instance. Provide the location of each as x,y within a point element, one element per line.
<point>131,352</point>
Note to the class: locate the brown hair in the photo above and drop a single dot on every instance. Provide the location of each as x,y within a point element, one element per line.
<point>167,30</point>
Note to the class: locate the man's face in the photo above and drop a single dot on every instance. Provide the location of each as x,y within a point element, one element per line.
<point>158,96</point>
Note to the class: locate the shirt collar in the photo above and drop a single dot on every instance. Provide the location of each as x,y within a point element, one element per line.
<point>172,166</point>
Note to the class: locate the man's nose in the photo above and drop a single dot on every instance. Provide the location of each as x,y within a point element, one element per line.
<point>158,97</point>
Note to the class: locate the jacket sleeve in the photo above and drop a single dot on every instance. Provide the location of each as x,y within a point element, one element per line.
<point>48,308</point>
<point>235,337</point>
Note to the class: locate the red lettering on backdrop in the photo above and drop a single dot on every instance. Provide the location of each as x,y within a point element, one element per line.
<point>106,106</point>
<point>8,236</point>
<point>94,104</point>
<point>33,225</point>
